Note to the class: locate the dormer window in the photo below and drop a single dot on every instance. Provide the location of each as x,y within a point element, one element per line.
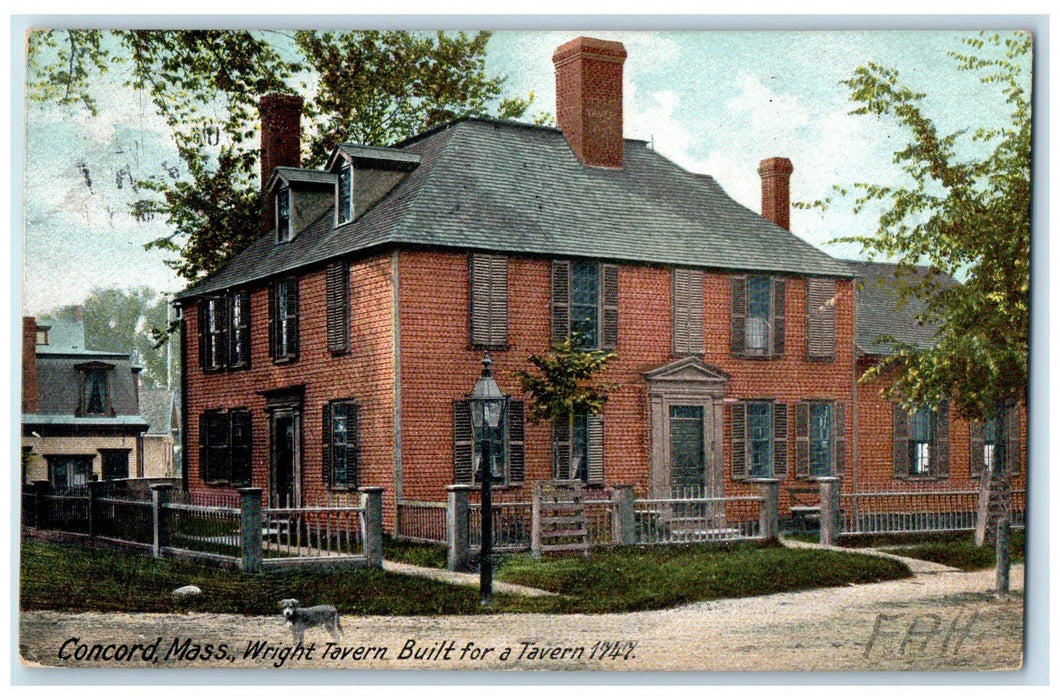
<point>42,334</point>
<point>283,215</point>
<point>345,203</point>
<point>95,397</point>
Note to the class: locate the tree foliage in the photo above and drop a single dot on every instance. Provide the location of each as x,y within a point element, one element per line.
<point>564,384</point>
<point>370,87</point>
<point>964,213</point>
<point>121,320</point>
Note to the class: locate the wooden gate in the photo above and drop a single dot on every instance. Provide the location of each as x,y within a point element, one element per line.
<point>558,518</point>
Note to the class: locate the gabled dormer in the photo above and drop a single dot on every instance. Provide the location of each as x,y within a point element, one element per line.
<point>299,196</point>
<point>365,174</point>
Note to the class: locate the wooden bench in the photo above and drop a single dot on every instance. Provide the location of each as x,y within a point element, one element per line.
<point>805,505</point>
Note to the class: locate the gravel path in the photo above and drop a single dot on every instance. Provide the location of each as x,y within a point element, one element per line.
<point>934,621</point>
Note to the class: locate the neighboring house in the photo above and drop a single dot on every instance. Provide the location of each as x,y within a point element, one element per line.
<point>160,409</point>
<point>80,407</point>
<point>928,448</point>
<point>337,350</point>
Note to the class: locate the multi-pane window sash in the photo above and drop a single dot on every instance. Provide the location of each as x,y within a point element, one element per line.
<point>95,398</point>
<point>995,444</point>
<point>489,301</point>
<point>341,443</point>
<point>283,215</point>
<point>820,440</point>
<point>283,319</point>
<point>585,303</point>
<point>345,195</point>
<point>759,439</point>
<point>224,331</point>
<point>578,448</point>
<point>757,321</point>
<point>225,443</point>
<point>921,443</point>
<point>508,451</point>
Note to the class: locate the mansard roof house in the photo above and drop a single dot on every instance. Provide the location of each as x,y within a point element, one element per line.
<point>338,349</point>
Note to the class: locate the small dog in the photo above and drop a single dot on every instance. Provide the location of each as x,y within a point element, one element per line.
<point>301,619</point>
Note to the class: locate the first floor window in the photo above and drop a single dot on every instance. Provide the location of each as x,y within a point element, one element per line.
<point>995,443</point>
<point>759,437</point>
<point>578,448</point>
<point>921,442</point>
<point>225,444</point>
<point>341,443</point>
<point>507,449</point>
<point>819,438</point>
<point>115,464</point>
<point>69,471</point>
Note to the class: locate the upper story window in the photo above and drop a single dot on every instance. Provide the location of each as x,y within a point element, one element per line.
<point>283,320</point>
<point>585,303</point>
<point>489,301</point>
<point>921,443</point>
<point>757,316</point>
<point>759,432</point>
<point>95,397</point>
<point>224,331</point>
<point>42,335</point>
<point>345,198</point>
<point>283,215</point>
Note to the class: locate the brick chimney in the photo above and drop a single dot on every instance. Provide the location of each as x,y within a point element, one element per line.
<point>589,99</point>
<point>30,386</point>
<point>281,133</point>
<point>776,197</point>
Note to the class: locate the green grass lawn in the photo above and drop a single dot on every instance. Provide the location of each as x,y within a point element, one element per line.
<point>961,552</point>
<point>435,556</point>
<point>73,578</point>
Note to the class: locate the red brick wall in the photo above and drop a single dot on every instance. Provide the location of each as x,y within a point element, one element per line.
<point>439,366</point>
<point>875,422</point>
<point>365,374</point>
<point>30,386</point>
<point>589,99</point>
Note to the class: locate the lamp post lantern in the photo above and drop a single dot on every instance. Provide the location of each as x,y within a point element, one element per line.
<point>488,407</point>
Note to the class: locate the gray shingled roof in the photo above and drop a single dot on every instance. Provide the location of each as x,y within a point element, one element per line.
<point>880,313</point>
<point>156,407</point>
<point>518,189</point>
<point>60,383</point>
<point>313,177</point>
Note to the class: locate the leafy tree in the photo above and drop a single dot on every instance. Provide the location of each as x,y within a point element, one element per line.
<point>964,216</point>
<point>372,87</point>
<point>565,384</point>
<point>121,320</point>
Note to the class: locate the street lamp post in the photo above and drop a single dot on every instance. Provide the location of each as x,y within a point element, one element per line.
<point>488,407</point>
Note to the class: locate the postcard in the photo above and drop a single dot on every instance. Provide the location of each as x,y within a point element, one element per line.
<point>525,350</point>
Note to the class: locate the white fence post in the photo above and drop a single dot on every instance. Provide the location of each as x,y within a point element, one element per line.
<point>372,503</point>
<point>159,524</point>
<point>768,513</point>
<point>829,486</point>
<point>624,523</point>
<point>456,524</point>
<point>250,524</point>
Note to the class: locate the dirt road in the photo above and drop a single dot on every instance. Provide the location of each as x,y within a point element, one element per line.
<point>936,621</point>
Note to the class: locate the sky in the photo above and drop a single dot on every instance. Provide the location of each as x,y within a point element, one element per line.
<point>715,102</point>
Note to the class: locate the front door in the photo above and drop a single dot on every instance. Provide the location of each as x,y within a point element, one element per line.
<point>286,472</point>
<point>687,456</point>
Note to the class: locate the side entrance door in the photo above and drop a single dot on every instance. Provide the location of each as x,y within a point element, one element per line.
<point>286,459</point>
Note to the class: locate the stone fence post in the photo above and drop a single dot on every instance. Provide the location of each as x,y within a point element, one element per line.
<point>372,503</point>
<point>41,489</point>
<point>159,518</point>
<point>829,486</point>
<point>624,517</point>
<point>94,516</point>
<point>768,511</point>
<point>456,524</point>
<point>250,524</point>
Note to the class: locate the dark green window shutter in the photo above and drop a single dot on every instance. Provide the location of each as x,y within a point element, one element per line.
<point>274,321</point>
<point>820,318</point>
<point>203,364</point>
<point>609,306</point>
<point>560,300</point>
<point>1013,441</point>
<point>325,442</point>
<point>204,445</point>
<point>802,440</point>
<point>942,441</point>
<point>687,312</point>
<point>338,302</point>
<point>595,457</point>
<point>489,301</point>
<point>901,443</point>
<point>839,442</point>
<point>780,440</point>
<point>292,313</point>
<point>516,442</point>
<point>738,430</point>
<point>738,316</point>
<point>779,307</point>
<point>463,443</point>
<point>240,449</point>
<point>561,448</point>
<point>976,443</point>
